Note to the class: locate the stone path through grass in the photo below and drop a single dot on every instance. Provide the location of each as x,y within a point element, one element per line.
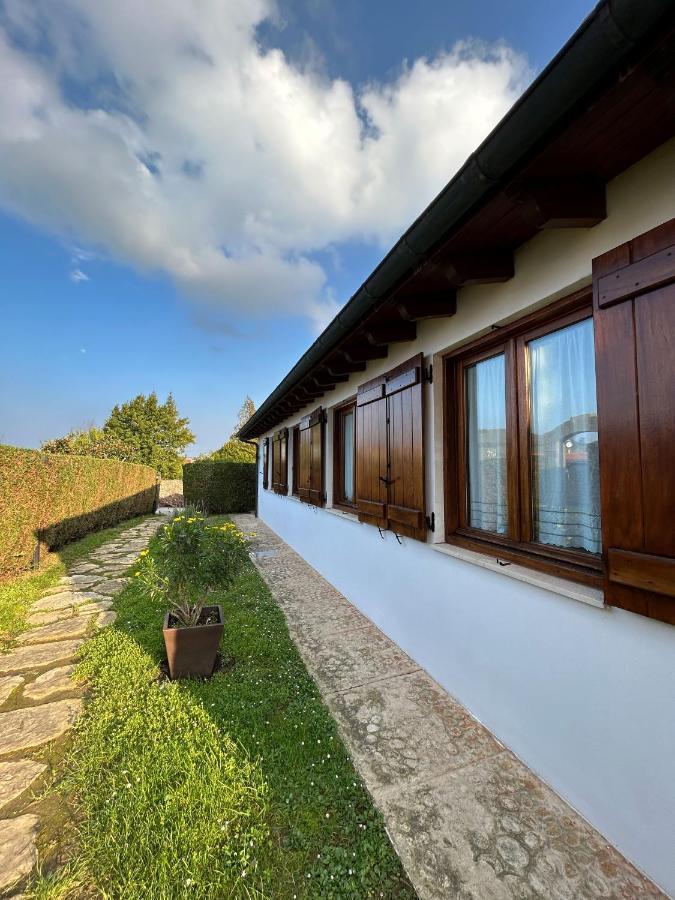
<point>38,700</point>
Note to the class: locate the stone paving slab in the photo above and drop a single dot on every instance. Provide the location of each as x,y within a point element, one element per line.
<point>46,618</point>
<point>97,606</point>
<point>64,599</point>
<point>33,726</point>
<point>77,626</point>
<point>16,776</point>
<point>8,684</point>
<point>112,586</point>
<point>55,681</point>
<point>494,831</point>
<point>18,853</point>
<point>467,818</point>
<point>408,728</point>
<point>38,656</point>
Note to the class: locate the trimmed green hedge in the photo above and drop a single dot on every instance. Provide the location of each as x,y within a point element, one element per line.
<point>49,499</point>
<point>219,487</point>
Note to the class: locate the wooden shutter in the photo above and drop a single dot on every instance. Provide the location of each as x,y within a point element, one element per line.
<point>266,463</point>
<point>390,450</point>
<point>634,318</point>
<point>280,461</point>
<point>371,453</point>
<point>405,508</point>
<point>311,442</point>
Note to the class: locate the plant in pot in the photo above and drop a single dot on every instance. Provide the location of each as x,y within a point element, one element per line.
<point>188,561</point>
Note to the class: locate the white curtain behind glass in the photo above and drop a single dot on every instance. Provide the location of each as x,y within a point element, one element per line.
<point>564,439</point>
<point>348,444</point>
<point>486,445</point>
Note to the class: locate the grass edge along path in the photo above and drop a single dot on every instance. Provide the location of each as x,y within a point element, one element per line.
<point>19,592</point>
<point>239,786</point>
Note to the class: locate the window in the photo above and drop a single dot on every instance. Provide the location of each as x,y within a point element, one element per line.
<point>344,437</point>
<point>522,443</point>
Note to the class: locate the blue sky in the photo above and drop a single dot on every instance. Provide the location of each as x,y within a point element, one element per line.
<point>186,219</point>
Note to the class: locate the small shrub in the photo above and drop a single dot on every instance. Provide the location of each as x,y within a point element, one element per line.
<point>188,560</point>
<point>220,487</point>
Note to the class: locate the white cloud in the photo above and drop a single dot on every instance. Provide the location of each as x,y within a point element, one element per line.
<point>78,275</point>
<point>182,147</point>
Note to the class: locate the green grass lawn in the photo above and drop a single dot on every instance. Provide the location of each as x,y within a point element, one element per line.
<point>17,594</point>
<point>235,787</point>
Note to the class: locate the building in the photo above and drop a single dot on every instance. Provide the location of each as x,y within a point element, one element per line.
<point>479,450</point>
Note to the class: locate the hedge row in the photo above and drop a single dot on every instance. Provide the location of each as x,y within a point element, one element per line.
<point>219,487</point>
<point>47,499</point>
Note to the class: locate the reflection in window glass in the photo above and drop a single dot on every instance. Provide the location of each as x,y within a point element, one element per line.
<point>348,455</point>
<point>564,439</point>
<point>486,445</point>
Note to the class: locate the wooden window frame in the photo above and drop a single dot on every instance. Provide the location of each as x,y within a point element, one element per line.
<point>517,545</point>
<point>339,501</point>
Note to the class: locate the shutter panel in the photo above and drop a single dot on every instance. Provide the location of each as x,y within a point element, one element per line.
<point>310,469</point>
<point>406,507</point>
<point>634,318</point>
<point>304,459</point>
<point>316,431</point>
<point>266,459</point>
<point>280,461</point>
<point>371,453</point>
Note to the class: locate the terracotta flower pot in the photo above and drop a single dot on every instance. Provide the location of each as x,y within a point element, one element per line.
<point>192,651</point>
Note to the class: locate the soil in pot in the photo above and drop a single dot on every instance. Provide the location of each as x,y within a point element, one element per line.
<point>191,652</point>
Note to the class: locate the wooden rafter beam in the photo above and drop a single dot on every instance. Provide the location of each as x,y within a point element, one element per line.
<point>391,332</point>
<point>428,306</point>
<point>567,203</point>
<point>479,268</point>
<point>322,377</point>
<point>364,352</point>
<point>343,366</point>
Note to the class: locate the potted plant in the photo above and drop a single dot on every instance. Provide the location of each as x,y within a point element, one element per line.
<point>188,561</point>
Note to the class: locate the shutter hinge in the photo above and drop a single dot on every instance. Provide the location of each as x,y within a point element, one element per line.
<point>431,522</point>
<point>429,374</point>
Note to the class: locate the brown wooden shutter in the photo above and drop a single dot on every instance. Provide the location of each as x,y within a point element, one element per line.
<point>266,462</point>
<point>403,390</point>
<point>280,461</point>
<point>390,450</point>
<point>634,318</point>
<point>371,453</point>
<point>311,443</point>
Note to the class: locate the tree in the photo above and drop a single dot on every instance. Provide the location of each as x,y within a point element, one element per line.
<point>244,414</point>
<point>153,432</point>
<point>235,450</point>
<point>93,442</point>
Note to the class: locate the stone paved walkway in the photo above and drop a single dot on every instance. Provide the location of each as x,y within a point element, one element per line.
<point>467,818</point>
<point>38,701</point>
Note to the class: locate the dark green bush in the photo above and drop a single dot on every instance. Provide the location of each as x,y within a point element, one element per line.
<point>50,499</point>
<point>219,487</point>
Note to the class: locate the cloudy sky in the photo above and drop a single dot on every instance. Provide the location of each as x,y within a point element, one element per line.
<point>190,189</point>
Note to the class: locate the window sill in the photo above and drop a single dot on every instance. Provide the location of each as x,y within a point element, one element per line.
<point>342,512</point>
<point>584,593</point>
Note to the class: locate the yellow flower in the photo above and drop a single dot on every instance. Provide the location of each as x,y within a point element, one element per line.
<point>137,574</point>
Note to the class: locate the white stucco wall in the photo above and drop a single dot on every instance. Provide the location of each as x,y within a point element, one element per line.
<point>583,695</point>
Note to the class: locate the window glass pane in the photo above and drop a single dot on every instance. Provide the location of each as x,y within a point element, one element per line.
<point>348,455</point>
<point>486,445</point>
<point>564,439</point>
